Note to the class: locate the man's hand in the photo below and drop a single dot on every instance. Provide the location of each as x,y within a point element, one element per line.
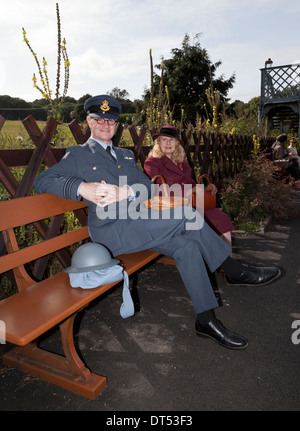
<point>103,194</point>
<point>88,191</point>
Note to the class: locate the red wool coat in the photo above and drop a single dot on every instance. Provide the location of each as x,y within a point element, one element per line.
<point>182,174</point>
<point>172,173</point>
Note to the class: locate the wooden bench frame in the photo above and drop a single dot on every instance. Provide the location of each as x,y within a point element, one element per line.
<point>39,306</point>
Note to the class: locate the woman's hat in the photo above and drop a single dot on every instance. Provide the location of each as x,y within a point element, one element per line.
<point>169,131</point>
<point>282,138</point>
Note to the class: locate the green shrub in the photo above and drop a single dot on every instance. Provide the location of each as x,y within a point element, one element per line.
<point>255,192</point>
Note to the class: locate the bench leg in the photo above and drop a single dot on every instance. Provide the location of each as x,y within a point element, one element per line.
<point>68,371</point>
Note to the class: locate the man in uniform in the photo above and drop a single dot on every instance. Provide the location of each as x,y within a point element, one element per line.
<point>109,180</point>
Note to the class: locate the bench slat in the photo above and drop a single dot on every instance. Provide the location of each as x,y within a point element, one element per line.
<point>20,211</point>
<point>25,255</point>
<point>33,311</point>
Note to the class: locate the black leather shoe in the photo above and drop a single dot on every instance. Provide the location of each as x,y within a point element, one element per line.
<point>215,330</point>
<point>255,276</point>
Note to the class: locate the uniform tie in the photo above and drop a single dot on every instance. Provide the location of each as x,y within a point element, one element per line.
<point>108,149</point>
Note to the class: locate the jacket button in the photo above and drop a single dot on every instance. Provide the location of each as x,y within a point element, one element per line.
<point>99,221</point>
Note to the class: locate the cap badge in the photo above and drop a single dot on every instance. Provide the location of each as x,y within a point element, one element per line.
<point>105,106</point>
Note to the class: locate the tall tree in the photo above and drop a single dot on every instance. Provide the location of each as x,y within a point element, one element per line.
<point>187,75</point>
<point>123,97</point>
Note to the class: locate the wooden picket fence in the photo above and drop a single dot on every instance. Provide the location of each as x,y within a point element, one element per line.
<point>216,154</point>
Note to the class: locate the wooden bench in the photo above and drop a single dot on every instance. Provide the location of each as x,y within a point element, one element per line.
<point>39,306</point>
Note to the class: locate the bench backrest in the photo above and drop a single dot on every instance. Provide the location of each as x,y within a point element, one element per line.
<point>30,209</point>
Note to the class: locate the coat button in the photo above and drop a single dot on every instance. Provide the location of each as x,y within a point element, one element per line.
<point>119,167</point>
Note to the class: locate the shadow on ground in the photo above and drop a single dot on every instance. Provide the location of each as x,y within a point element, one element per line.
<point>155,362</point>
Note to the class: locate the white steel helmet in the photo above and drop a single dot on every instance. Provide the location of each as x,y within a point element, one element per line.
<point>91,257</point>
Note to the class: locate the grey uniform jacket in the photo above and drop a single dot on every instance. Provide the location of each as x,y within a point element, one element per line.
<point>91,163</point>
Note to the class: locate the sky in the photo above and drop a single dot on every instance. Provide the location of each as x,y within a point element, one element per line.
<point>108,43</point>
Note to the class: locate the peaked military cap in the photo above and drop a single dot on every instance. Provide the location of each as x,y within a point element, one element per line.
<point>103,106</point>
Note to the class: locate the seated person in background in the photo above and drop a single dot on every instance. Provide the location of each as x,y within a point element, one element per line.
<point>291,149</point>
<point>167,158</point>
<point>279,148</point>
<point>280,152</point>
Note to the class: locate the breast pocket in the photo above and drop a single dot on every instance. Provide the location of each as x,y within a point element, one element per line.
<point>128,167</point>
<point>93,172</point>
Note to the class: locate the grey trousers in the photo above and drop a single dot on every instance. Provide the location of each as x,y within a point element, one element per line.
<point>191,249</point>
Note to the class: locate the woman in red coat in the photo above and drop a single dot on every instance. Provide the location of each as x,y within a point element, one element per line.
<point>167,158</point>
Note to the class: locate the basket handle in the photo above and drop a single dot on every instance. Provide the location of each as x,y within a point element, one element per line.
<point>203,176</point>
<point>162,181</point>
